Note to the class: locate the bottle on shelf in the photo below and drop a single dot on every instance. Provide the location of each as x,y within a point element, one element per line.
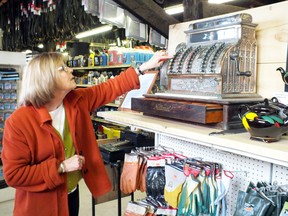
<point>110,75</point>
<point>80,61</point>
<point>97,58</point>
<point>101,78</point>
<point>105,76</point>
<point>75,62</point>
<point>112,52</point>
<point>90,77</point>
<point>96,77</point>
<point>70,61</point>
<point>127,56</point>
<point>132,56</point>
<point>141,54</point>
<point>107,56</point>
<point>91,59</point>
<point>103,59</point>
<point>85,60</point>
<point>119,56</point>
<point>148,53</point>
<point>137,53</point>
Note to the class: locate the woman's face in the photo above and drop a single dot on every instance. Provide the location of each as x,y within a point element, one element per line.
<point>66,81</point>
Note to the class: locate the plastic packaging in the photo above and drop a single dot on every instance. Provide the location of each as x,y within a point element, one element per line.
<point>90,77</point>
<point>97,58</point>
<point>119,56</point>
<point>112,52</point>
<point>103,59</point>
<point>127,56</point>
<point>91,60</point>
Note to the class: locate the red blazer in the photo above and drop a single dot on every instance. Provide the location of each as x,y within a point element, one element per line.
<point>32,150</point>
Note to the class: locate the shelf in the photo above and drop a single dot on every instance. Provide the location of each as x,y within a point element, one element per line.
<point>16,60</point>
<point>101,67</point>
<point>103,121</point>
<point>83,85</point>
<point>237,143</point>
<point>112,105</point>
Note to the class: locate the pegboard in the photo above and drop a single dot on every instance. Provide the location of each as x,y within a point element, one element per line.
<point>280,175</point>
<point>245,169</point>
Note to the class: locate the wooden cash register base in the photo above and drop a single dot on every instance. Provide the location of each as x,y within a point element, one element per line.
<point>217,113</point>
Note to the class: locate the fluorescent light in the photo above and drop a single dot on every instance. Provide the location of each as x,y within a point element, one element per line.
<point>40,46</point>
<point>176,9</point>
<point>94,31</point>
<point>218,1</point>
<point>27,51</point>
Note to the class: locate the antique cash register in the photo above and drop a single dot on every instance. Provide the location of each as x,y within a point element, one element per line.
<point>210,75</point>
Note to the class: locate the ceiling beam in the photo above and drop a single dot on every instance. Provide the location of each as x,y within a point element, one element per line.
<point>150,13</point>
<point>193,10</point>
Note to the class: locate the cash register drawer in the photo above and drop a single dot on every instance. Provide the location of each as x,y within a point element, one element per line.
<point>197,112</point>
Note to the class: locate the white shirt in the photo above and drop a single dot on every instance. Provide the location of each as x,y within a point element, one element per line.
<point>58,118</point>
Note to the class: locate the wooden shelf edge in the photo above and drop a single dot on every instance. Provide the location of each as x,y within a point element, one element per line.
<point>101,67</point>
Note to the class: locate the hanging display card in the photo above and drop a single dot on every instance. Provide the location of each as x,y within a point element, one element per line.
<point>146,84</point>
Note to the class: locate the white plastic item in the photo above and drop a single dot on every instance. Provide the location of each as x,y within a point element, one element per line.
<point>90,78</point>
<point>112,13</point>
<point>157,39</point>
<point>135,29</point>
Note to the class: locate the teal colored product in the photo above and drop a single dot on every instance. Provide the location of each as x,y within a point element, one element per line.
<point>212,195</point>
<point>137,56</point>
<point>103,59</point>
<point>206,198</point>
<point>204,188</point>
<point>127,58</point>
<point>182,199</point>
<point>185,204</point>
<point>132,57</point>
<point>141,56</point>
<point>124,58</point>
<point>146,56</point>
<point>197,201</point>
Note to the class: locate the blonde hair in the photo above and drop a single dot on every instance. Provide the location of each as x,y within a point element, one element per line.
<point>39,79</point>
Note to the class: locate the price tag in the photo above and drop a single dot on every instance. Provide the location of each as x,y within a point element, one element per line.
<point>282,97</point>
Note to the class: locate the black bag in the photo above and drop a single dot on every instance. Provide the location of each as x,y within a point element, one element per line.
<point>273,193</point>
<point>250,204</point>
<point>275,209</point>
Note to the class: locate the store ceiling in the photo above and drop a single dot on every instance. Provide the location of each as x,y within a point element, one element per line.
<point>151,11</point>
<point>62,23</point>
<point>241,3</point>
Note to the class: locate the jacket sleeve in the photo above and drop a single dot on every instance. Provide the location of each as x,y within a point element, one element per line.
<point>99,95</point>
<point>19,169</point>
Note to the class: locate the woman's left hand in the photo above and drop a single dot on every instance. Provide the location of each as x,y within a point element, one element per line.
<point>157,59</point>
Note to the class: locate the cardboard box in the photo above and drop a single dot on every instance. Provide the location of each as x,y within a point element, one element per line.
<point>113,194</point>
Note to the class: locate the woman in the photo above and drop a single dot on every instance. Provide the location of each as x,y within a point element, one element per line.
<point>49,142</point>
